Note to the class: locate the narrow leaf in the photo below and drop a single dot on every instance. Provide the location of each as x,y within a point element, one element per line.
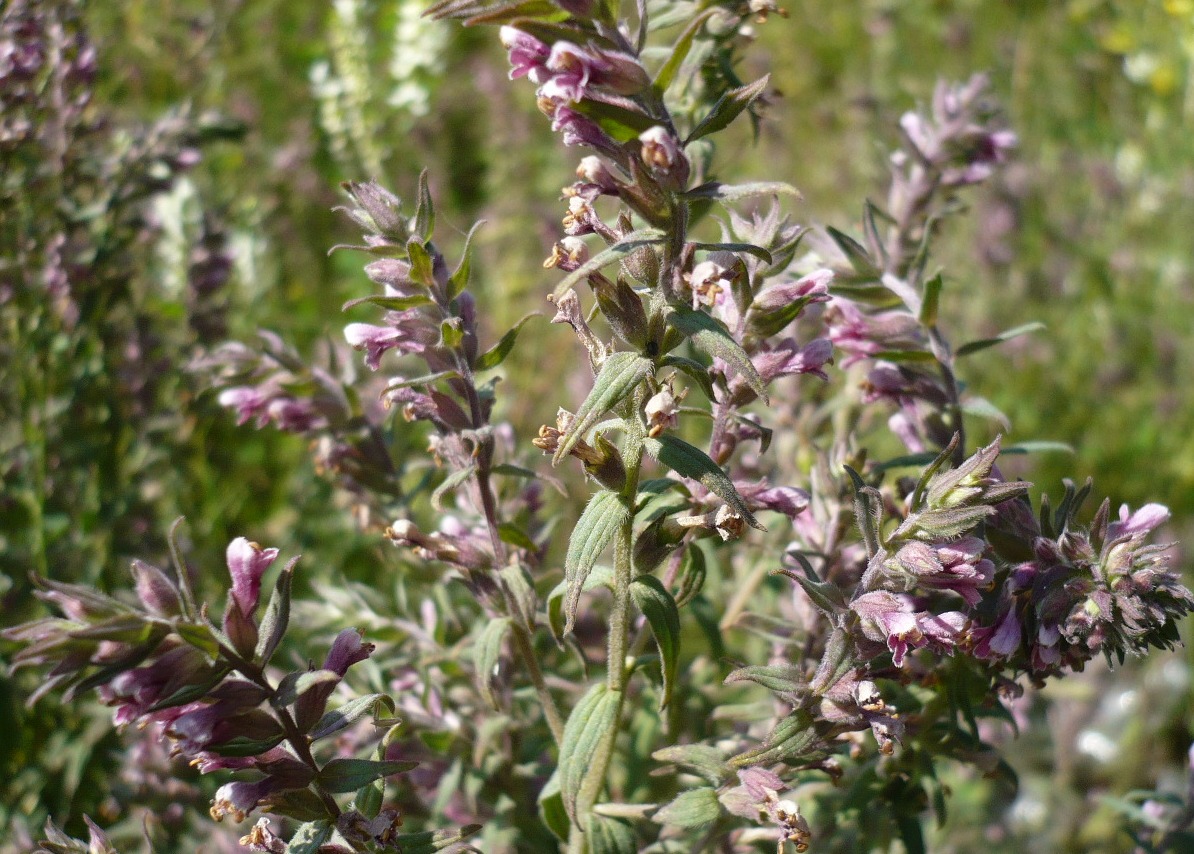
<point>351,712</point>
<point>793,738</point>
<point>717,191</point>
<point>710,336</point>
<point>450,484</point>
<point>629,243</point>
<point>309,837</point>
<point>679,53</point>
<point>458,281</point>
<point>693,808</point>
<point>390,303</point>
<point>551,808</point>
<point>728,107</point>
<point>487,650</point>
<point>610,836</point>
<point>497,354</point>
<point>603,516</point>
<point>592,720</point>
<point>688,461</point>
<point>857,256</point>
<point>348,775</point>
<point>424,224</point>
<point>658,606</point>
<point>749,248</point>
<point>277,616</point>
<point>620,373</point>
<point>1007,335</point>
<point>294,685</point>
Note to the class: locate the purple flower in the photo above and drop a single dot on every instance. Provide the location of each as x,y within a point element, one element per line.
<point>247,563</point>
<point>813,288</point>
<point>1143,521</point>
<point>958,566</point>
<point>527,55</point>
<point>1000,641</point>
<point>894,620</point>
<point>861,335</point>
<point>155,590</point>
<point>376,340</point>
<point>135,691</point>
<point>240,799</point>
<point>789,358</point>
<point>248,402</point>
<point>347,649</point>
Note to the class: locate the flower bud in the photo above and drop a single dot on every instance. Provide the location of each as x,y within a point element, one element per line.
<point>155,590</point>
<point>661,154</point>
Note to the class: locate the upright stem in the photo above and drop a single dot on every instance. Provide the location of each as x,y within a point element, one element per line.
<point>619,632</point>
<point>523,641</point>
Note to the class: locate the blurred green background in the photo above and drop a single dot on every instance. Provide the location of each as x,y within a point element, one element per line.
<point>1088,230</point>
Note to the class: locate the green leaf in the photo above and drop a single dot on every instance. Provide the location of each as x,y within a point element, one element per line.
<point>691,368</point>
<point>1039,447</point>
<point>747,248</point>
<point>658,606</point>
<point>551,808</point>
<point>300,805</point>
<point>667,73</point>
<point>857,256</point>
<point>348,775</point>
<point>497,354</point>
<point>424,222</point>
<point>931,300</point>
<point>277,616</point>
<point>619,375</point>
<point>728,107</point>
<point>309,837</point>
<point>431,841</point>
<point>793,738</point>
<point>426,379</point>
<point>705,759</point>
<point>594,718</point>
<point>351,712</point>
<point>450,484</point>
<point>600,576</point>
<point>458,281</point>
<point>242,746</point>
<point>980,407</point>
<point>692,574</point>
<point>688,461</point>
<point>605,513</point>
<point>422,271</point>
<point>450,332</point>
<point>487,650</point>
<point>693,808</point>
<point>710,336</point>
<point>390,303</point>
<point>629,243</point>
<point>294,685</point>
<point>1007,335</point>
<point>787,679</point>
<point>610,836</point>
<point>717,191</point>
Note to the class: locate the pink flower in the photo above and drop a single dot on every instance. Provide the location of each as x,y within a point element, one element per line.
<point>247,563</point>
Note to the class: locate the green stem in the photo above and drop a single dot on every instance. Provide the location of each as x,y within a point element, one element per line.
<point>619,630</point>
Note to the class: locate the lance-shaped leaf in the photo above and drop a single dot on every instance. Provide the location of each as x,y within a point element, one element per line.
<point>600,576</point>
<point>658,606</point>
<point>717,191</point>
<point>931,300</point>
<point>389,303</point>
<point>693,808</point>
<point>667,72</point>
<point>593,719</point>
<point>497,354</point>
<point>693,369</point>
<point>424,222</point>
<point>620,373</point>
<point>710,336</point>
<point>551,807</point>
<point>688,461</point>
<point>785,679</point>
<point>338,719</point>
<point>309,837</point>
<point>603,516</point>
<point>294,685</point>
<point>276,617</point>
<point>748,248</point>
<point>793,738</point>
<point>610,836</point>
<point>728,107</point>
<point>864,267</point>
<point>458,281</point>
<point>705,759</point>
<point>1006,335</point>
<point>868,512</point>
<point>692,574</point>
<point>431,841</point>
<point>487,650</point>
<point>632,241</point>
<point>348,775</point>
<point>450,484</point>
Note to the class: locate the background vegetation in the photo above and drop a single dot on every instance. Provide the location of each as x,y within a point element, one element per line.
<point>1089,231</point>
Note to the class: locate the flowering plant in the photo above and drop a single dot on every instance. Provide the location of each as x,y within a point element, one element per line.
<point>790,636</point>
